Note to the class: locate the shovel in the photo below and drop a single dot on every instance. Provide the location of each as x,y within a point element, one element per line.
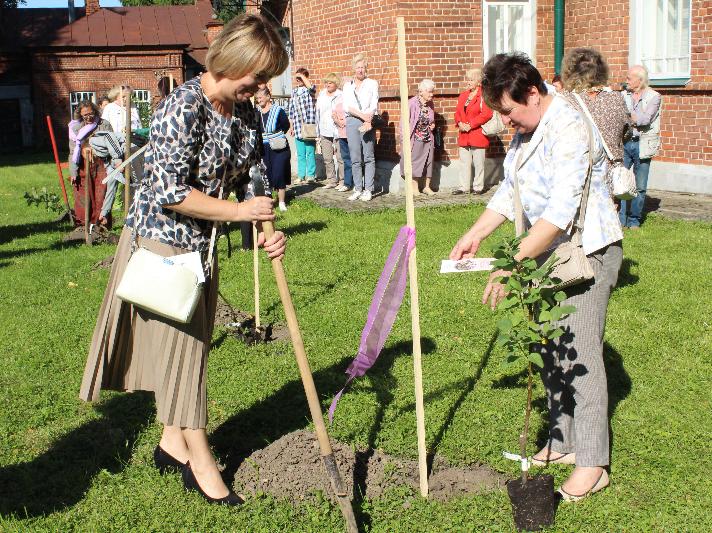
<point>327,454</point>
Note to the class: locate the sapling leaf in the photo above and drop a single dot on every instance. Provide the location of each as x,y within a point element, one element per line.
<point>544,315</point>
<point>535,358</point>
<point>500,263</point>
<point>556,333</point>
<point>504,325</point>
<point>560,296</point>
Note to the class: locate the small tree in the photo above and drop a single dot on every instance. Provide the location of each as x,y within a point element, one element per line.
<point>43,197</point>
<point>532,306</point>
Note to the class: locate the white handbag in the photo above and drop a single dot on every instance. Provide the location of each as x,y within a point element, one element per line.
<point>493,126</point>
<point>621,180</point>
<point>164,285</point>
<point>159,285</point>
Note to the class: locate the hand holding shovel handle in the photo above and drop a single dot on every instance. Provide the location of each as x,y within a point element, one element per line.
<point>327,454</point>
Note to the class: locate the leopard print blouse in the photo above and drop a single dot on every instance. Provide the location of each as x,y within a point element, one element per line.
<point>192,146</point>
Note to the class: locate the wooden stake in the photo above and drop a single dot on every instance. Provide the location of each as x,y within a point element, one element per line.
<point>127,154</point>
<point>256,268</point>
<point>87,200</point>
<point>327,454</point>
<point>170,82</point>
<point>412,263</point>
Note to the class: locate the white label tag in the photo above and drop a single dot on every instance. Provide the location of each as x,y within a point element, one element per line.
<point>476,264</point>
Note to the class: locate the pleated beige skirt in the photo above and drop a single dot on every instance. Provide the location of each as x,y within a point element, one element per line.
<point>134,349</point>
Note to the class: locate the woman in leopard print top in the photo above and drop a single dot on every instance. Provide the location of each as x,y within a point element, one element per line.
<point>203,136</point>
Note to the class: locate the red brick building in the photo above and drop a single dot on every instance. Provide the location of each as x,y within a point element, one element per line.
<point>673,38</point>
<point>47,64</point>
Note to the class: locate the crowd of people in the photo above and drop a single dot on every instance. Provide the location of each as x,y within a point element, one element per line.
<point>207,139</point>
<point>97,145</point>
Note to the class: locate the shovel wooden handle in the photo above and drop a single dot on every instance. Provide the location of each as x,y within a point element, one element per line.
<point>299,351</point>
<point>87,201</point>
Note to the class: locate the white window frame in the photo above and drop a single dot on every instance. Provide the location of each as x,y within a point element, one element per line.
<point>282,84</point>
<point>76,97</point>
<point>140,96</point>
<point>637,36</point>
<point>529,13</point>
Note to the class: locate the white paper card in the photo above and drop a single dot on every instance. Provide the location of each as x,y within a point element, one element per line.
<point>477,264</point>
<point>191,261</point>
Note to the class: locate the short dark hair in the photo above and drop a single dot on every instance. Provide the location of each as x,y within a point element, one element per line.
<point>513,74</point>
<point>302,70</point>
<point>556,78</point>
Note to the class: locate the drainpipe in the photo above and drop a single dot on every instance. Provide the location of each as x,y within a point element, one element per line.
<point>70,9</point>
<point>558,34</point>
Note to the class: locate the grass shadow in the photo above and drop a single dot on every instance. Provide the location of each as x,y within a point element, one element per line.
<point>625,276</point>
<point>303,227</point>
<point>22,231</point>
<point>60,477</point>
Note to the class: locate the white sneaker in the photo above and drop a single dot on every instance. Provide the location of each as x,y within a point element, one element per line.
<point>330,185</point>
<point>342,188</point>
<point>366,196</point>
<point>282,206</point>
<point>355,196</point>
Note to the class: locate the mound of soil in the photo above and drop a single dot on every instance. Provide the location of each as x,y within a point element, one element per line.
<point>242,325</point>
<point>291,468</point>
<point>98,236</point>
<point>104,263</point>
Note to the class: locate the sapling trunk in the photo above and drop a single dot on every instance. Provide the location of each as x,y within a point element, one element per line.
<point>525,434</point>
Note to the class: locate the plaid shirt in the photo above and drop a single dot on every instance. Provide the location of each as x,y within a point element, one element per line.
<point>302,108</point>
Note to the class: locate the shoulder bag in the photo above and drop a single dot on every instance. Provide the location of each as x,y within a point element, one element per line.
<point>275,143</point>
<point>308,131</point>
<point>621,179</point>
<point>377,121</point>
<point>571,266</point>
<point>493,126</point>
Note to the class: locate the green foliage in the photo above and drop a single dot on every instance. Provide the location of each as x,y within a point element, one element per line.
<point>145,112</point>
<point>50,200</point>
<point>532,305</point>
<point>89,468</point>
<point>225,9</point>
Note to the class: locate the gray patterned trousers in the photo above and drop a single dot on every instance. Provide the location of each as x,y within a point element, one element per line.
<point>574,374</point>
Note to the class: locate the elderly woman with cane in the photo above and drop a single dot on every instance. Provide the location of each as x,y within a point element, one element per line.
<point>203,144</point>
<point>554,165</point>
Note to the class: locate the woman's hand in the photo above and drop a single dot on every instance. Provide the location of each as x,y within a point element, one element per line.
<point>466,247</point>
<point>87,154</point>
<point>258,208</point>
<point>275,246</point>
<point>464,127</point>
<point>494,291</point>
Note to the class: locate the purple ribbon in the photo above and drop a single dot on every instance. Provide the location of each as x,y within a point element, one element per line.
<point>79,137</point>
<point>385,304</point>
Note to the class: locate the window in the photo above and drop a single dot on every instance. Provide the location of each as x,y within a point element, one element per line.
<point>508,26</point>
<point>282,84</point>
<point>75,98</point>
<point>660,39</point>
<point>140,96</point>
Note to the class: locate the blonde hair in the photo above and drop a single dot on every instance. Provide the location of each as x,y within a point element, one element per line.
<point>474,74</point>
<point>114,93</point>
<point>248,44</point>
<point>333,78</point>
<point>584,68</point>
<point>359,57</point>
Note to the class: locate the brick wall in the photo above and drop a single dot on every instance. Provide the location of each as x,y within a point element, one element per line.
<point>444,38</point>
<point>686,122</point>
<point>55,75</point>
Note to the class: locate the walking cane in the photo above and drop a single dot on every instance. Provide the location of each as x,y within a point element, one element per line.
<point>327,454</point>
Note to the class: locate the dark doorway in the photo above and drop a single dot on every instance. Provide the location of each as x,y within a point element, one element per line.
<point>10,125</point>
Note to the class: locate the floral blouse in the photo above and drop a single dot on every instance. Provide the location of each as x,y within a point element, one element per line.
<point>551,174</point>
<point>422,128</point>
<point>192,146</point>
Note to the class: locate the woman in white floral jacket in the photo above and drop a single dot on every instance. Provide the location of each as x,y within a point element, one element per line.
<point>549,158</point>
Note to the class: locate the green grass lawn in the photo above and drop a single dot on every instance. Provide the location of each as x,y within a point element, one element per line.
<point>66,465</point>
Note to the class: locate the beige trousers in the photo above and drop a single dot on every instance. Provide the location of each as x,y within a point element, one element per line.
<point>329,147</point>
<point>472,158</point>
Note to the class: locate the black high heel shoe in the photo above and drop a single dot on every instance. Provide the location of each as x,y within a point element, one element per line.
<point>190,483</point>
<point>165,462</point>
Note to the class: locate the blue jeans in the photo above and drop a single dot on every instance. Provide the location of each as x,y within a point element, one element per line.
<point>631,213</point>
<point>346,158</point>
<point>306,159</point>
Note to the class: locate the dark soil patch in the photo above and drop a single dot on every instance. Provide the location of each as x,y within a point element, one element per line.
<point>242,325</point>
<point>97,236</point>
<point>104,263</point>
<point>291,468</point>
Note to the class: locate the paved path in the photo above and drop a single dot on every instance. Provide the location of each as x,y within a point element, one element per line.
<point>685,206</point>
